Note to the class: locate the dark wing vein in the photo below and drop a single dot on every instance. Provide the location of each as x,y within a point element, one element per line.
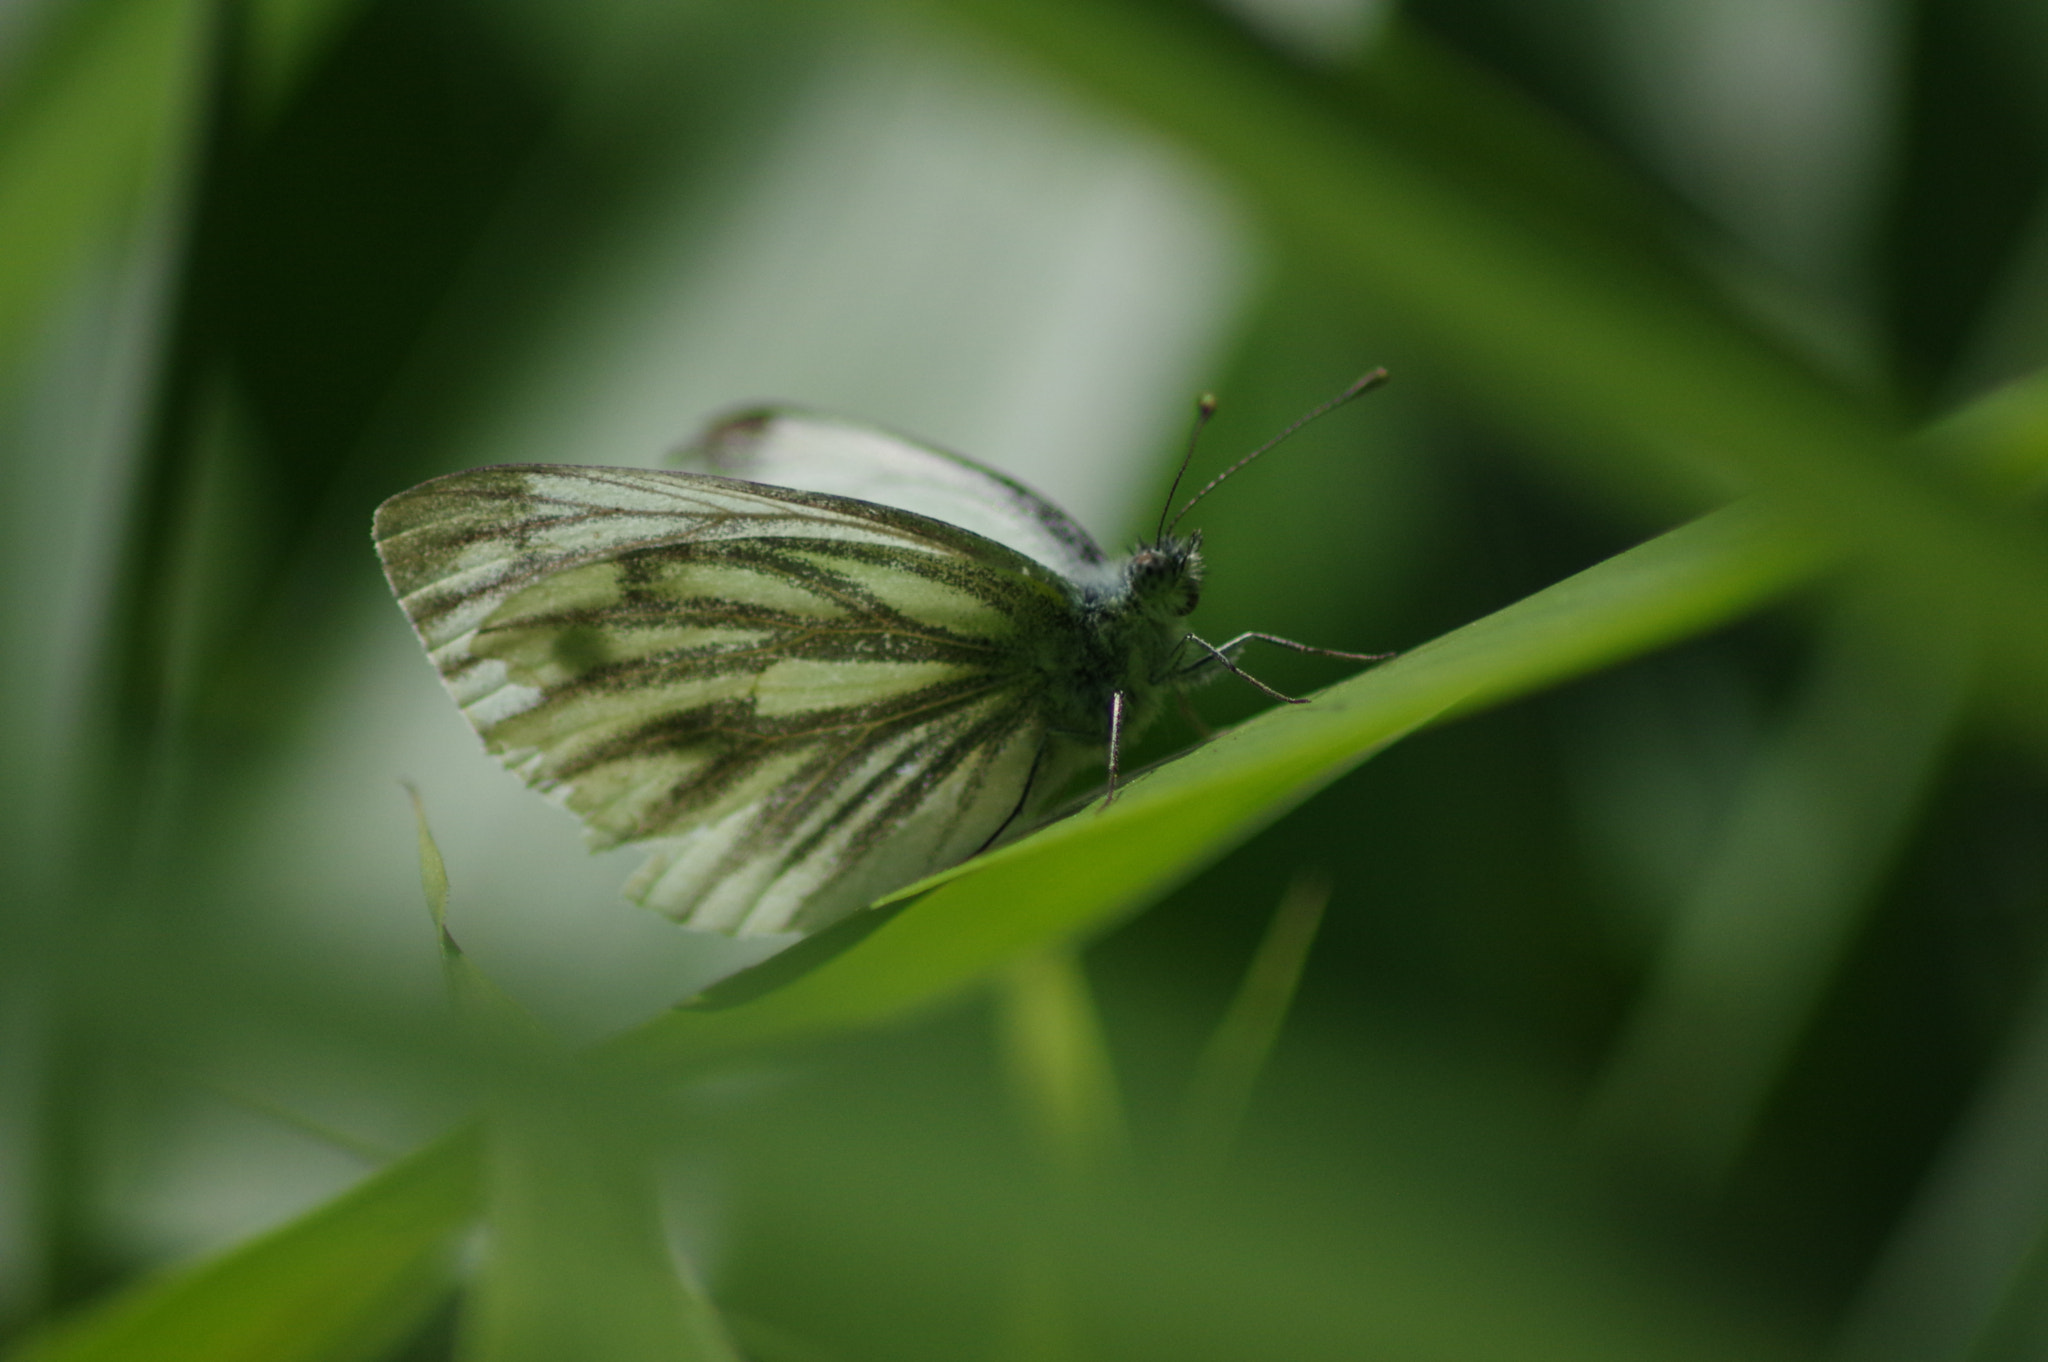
<point>803,701</point>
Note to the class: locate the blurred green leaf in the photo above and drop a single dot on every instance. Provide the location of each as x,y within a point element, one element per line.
<point>1221,1089</point>
<point>345,1282</point>
<point>1059,1063</point>
<point>1365,1219</point>
<point>94,125</point>
<point>97,123</point>
<point>1965,1275</point>
<point>578,1264</point>
<point>1753,947</point>
<point>286,37</point>
<point>2002,437</point>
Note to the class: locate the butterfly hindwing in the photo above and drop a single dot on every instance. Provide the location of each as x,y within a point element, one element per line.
<point>795,448</point>
<point>801,701</point>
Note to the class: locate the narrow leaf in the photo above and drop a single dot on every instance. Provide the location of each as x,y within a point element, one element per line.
<point>344,1282</point>
<point>1230,1064</point>
<point>88,128</point>
<point>495,1014</point>
<point>433,870</point>
<point>1059,1063</point>
<point>1754,945</point>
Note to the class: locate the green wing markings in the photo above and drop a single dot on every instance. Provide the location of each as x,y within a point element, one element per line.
<point>798,701</point>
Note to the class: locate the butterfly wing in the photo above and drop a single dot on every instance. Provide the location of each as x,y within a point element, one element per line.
<point>800,701</point>
<point>789,447</point>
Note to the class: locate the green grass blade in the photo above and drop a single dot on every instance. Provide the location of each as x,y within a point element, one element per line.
<point>286,37</point>
<point>343,1283</point>
<point>86,133</point>
<point>1059,1063</point>
<point>2002,438</point>
<point>1752,949</point>
<point>1405,1228</point>
<point>1086,872</point>
<point>1064,1083</point>
<point>1230,1064</point>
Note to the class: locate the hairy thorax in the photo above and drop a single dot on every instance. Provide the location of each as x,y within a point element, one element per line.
<point>1130,636</point>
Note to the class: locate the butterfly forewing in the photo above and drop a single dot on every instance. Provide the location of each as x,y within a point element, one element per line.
<point>803,701</point>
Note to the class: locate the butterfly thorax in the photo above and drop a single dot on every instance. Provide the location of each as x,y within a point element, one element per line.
<point>1132,626</point>
<point>1163,581</point>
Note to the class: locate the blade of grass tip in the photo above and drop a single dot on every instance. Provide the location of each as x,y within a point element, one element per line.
<point>477,999</point>
<point>1059,1065</point>
<point>433,871</point>
<point>1220,1091</point>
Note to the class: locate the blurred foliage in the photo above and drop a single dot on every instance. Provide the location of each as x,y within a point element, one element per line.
<point>1679,986</point>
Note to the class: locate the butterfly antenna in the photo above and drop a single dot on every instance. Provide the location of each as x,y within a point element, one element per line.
<point>1204,409</point>
<point>1365,384</point>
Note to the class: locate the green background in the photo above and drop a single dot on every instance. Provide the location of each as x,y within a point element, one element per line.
<point>1678,989</point>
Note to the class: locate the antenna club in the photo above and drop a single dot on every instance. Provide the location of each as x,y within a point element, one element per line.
<point>1205,408</point>
<point>1363,383</point>
<point>1366,382</point>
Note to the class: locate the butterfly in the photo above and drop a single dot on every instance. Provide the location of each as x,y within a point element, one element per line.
<point>817,666</point>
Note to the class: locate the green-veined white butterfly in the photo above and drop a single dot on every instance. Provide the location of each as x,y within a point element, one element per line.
<point>823,667</point>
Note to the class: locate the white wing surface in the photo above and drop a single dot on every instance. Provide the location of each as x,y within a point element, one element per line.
<point>793,448</point>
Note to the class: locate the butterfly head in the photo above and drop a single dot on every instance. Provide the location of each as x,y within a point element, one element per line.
<point>1164,578</point>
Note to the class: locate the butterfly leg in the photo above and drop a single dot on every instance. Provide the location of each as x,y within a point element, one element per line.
<point>1221,659</point>
<point>1243,639</point>
<point>1117,701</point>
<point>1023,798</point>
<point>1193,716</point>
